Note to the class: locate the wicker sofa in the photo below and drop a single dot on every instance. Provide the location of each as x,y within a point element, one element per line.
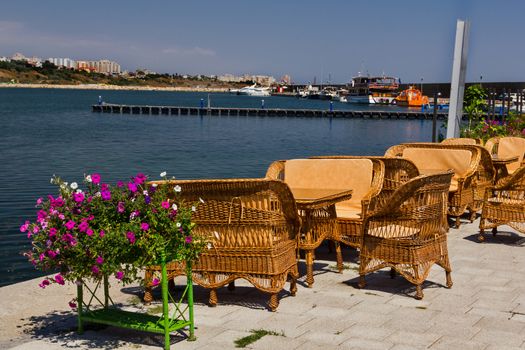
<point>408,232</point>
<point>464,160</point>
<point>362,175</point>
<point>252,225</point>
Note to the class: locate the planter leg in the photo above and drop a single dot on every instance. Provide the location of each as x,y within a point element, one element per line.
<point>190,304</point>
<point>80,305</point>
<point>165,308</point>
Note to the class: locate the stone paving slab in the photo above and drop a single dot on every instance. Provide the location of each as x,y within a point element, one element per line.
<point>485,308</point>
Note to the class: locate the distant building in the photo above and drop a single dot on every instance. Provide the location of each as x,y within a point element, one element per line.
<point>102,66</point>
<point>35,61</point>
<point>63,62</point>
<point>18,57</point>
<point>5,59</point>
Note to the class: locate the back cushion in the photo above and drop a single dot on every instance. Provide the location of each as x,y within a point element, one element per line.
<point>430,160</point>
<point>510,147</point>
<point>333,174</point>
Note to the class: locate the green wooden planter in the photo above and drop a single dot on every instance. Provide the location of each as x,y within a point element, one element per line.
<point>105,312</point>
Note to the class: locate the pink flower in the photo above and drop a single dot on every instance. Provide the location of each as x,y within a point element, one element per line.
<point>59,279</point>
<point>95,269</point>
<point>120,207</point>
<point>120,184</point>
<point>119,275</point>
<point>72,305</point>
<point>52,232</point>
<point>89,232</point>
<point>106,195</point>
<point>91,218</point>
<point>51,254</point>
<point>132,187</point>
<point>83,226</point>
<point>131,237</point>
<point>36,229</point>
<point>44,284</point>
<point>101,233</point>
<point>41,257</point>
<point>100,260</point>
<point>78,197</point>
<point>165,205</point>
<point>155,282</point>
<point>39,201</point>
<point>95,178</point>
<point>188,239</point>
<point>70,224</point>
<point>24,227</point>
<point>104,187</point>
<point>144,226</point>
<point>139,179</point>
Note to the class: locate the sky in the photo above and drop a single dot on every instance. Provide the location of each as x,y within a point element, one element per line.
<point>328,39</point>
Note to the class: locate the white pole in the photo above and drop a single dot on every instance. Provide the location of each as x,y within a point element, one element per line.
<point>457,85</point>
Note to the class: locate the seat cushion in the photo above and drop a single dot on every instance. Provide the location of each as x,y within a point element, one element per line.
<point>332,174</point>
<point>510,147</point>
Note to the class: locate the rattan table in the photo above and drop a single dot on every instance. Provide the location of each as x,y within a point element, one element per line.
<point>317,209</point>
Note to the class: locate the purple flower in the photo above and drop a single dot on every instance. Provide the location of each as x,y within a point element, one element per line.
<point>70,224</point>
<point>139,179</point>
<point>51,254</point>
<point>106,195</point>
<point>95,178</point>
<point>147,199</point>
<point>104,187</point>
<point>144,226</point>
<point>155,282</point>
<point>101,233</point>
<point>120,207</point>
<point>59,279</point>
<point>44,284</point>
<point>100,260</point>
<point>78,197</point>
<point>95,269</point>
<point>83,226</point>
<point>188,239</point>
<point>132,187</point>
<point>119,275</point>
<point>120,184</point>
<point>131,237</point>
<point>89,232</point>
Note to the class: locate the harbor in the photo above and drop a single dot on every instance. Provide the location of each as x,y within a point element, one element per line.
<point>426,114</point>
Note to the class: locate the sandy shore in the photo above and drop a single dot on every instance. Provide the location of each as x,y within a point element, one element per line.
<point>112,87</point>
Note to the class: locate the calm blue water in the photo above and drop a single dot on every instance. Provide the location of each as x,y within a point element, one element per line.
<point>51,131</point>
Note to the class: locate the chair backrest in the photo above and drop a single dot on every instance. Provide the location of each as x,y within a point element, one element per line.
<point>461,141</point>
<point>430,160</point>
<point>510,147</point>
<point>333,174</point>
<point>243,212</point>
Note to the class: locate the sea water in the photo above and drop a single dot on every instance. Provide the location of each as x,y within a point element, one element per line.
<point>53,131</point>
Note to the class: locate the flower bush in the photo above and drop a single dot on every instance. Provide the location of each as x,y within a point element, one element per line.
<point>102,230</point>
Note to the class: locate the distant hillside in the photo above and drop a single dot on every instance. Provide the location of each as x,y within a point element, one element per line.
<point>21,72</point>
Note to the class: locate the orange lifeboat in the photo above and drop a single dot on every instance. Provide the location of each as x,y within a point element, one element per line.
<point>411,97</point>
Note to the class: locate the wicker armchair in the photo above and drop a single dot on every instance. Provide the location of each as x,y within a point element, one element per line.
<point>409,231</point>
<point>464,160</point>
<point>504,204</point>
<point>462,141</point>
<point>394,172</point>
<point>362,175</point>
<point>508,147</point>
<point>252,225</point>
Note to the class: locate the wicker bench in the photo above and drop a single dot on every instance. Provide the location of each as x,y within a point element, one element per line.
<point>431,158</point>
<point>252,225</point>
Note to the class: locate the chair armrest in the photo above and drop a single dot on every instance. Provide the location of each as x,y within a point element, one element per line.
<point>276,170</point>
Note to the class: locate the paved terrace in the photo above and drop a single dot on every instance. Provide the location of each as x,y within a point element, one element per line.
<point>485,309</point>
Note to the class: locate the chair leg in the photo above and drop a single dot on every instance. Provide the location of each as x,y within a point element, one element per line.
<point>472,216</point>
<point>231,286</point>
<point>171,284</point>
<point>392,273</point>
<point>481,238</point>
<point>339,256</point>
<point>494,231</point>
<point>274,302</point>
<point>458,221</point>
<point>213,297</point>
<point>309,268</point>
<point>362,282</point>
<point>293,286</point>
<point>419,292</point>
<point>449,279</point>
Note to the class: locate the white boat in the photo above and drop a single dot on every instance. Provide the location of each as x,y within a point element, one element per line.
<point>253,90</point>
<point>373,90</point>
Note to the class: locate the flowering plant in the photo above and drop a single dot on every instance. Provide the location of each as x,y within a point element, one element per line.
<point>109,229</point>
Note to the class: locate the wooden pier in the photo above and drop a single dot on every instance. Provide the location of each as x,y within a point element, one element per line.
<point>264,112</point>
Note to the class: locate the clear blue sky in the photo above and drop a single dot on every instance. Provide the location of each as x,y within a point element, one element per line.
<point>408,39</point>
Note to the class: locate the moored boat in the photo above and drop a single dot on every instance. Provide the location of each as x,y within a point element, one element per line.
<point>253,90</point>
<point>411,97</point>
<point>373,90</point>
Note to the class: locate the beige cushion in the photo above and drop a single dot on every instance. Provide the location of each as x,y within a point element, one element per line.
<point>510,147</point>
<point>430,160</point>
<point>333,174</point>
